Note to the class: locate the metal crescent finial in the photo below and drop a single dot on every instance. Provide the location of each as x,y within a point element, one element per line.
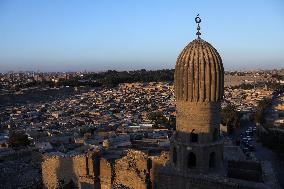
<point>198,20</point>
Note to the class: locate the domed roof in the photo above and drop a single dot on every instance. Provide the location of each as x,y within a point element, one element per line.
<point>199,73</point>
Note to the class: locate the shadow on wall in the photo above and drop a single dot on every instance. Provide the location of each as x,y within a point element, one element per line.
<point>66,176</point>
<point>245,170</point>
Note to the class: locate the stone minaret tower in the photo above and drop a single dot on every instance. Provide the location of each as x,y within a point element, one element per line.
<point>196,145</point>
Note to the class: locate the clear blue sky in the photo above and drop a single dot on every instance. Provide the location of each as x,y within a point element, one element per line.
<point>96,35</point>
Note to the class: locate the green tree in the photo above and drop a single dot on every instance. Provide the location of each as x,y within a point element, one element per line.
<point>264,104</point>
<point>158,119</point>
<point>258,117</point>
<point>229,116</point>
<point>18,138</point>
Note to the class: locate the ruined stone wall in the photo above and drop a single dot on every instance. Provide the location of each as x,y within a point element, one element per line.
<point>105,174</point>
<point>58,171</point>
<point>135,170</point>
<point>132,171</point>
<point>158,162</point>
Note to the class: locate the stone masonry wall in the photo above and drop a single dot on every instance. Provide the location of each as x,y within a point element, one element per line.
<point>135,170</point>
<point>158,162</point>
<point>105,174</point>
<point>58,171</point>
<point>132,170</point>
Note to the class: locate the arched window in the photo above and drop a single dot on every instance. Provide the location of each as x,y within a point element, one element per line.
<point>191,160</point>
<point>174,155</point>
<point>193,136</point>
<point>212,160</point>
<point>215,135</point>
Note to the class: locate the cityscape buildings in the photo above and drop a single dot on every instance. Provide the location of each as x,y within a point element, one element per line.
<point>142,134</point>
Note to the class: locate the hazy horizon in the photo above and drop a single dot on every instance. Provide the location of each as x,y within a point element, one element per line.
<point>96,36</point>
<point>121,70</point>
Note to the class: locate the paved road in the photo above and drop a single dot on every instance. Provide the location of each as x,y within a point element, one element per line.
<point>264,154</point>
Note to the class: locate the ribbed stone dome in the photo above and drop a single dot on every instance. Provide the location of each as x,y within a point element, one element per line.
<point>199,73</point>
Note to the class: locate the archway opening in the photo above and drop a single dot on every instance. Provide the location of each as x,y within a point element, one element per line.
<point>191,160</point>
<point>212,161</point>
<point>193,136</point>
<point>215,135</point>
<point>174,155</point>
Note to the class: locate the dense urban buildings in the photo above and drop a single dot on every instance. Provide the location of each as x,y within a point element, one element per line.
<point>87,130</point>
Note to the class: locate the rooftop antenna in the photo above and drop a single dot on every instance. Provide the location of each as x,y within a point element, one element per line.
<point>198,20</point>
